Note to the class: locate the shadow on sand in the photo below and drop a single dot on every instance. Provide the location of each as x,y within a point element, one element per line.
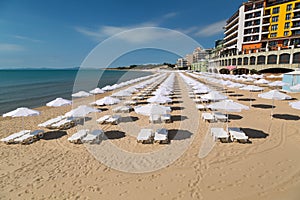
<point>53,135</point>
<point>113,135</point>
<point>179,118</point>
<point>253,133</point>
<point>286,117</point>
<point>129,119</point>
<point>234,117</point>
<point>175,134</point>
<point>263,106</point>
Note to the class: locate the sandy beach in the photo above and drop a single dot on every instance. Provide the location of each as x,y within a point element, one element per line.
<point>53,168</point>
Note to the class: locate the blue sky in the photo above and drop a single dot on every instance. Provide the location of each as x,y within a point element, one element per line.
<point>61,33</point>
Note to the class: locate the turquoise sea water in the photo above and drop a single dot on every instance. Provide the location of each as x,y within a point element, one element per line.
<point>34,88</point>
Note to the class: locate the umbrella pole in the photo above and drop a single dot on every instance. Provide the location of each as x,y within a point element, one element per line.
<point>272,108</point>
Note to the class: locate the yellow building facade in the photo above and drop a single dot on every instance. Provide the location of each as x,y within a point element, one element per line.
<point>281,19</point>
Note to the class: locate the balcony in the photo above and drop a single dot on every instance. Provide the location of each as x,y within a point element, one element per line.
<point>296,18</point>
<point>296,26</point>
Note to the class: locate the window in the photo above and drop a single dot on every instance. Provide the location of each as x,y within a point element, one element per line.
<point>285,42</point>
<point>275,10</point>
<point>274,27</point>
<point>288,16</point>
<point>286,33</point>
<point>275,19</point>
<point>273,35</point>
<point>289,7</point>
<point>287,25</point>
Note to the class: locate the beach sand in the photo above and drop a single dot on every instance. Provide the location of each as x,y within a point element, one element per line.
<point>53,168</point>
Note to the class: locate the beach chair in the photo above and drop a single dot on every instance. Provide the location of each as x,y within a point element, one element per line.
<point>10,139</point>
<point>93,137</point>
<point>166,118</point>
<point>197,100</point>
<point>154,119</point>
<point>220,117</point>
<point>117,109</point>
<point>47,124</point>
<point>30,137</point>
<point>145,136</point>
<point>103,119</point>
<point>201,107</point>
<point>220,133</point>
<point>76,137</point>
<point>130,103</point>
<point>238,135</point>
<point>65,123</point>
<point>208,117</point>
<point>115,119</point>
<point>126,109</point>
<point>161,136</point>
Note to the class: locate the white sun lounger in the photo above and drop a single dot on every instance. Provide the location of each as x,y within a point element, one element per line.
<point>30,137</point>
<point>103,119</point>
<point>51,121</point>
<point>197,100</point>
<point>65,123</point>
<point>130,103</point>
<point>10,139</point>
<point>161,136</point>
<point>145,136</point>
<point>76,137</point>
<point>115,119</point>
<point>93,137</point>
<point>154,119</point>
<point>220,117</point>
<point>238,134</point>
<point>201,107</point>
<point>220,133</point>
<point>208,117</point>
<point>166,118</point>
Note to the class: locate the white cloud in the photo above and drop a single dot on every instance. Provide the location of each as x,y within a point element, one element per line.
<point>10,47</point>
<point>20,37</point>
<point>211,29</point>
<point>104,32</point>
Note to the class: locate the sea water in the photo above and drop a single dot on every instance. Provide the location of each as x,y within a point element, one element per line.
<point>34,88</point>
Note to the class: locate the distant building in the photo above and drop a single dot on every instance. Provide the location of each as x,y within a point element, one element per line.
<point>199,54</point>
<point>260,35</point>
<point>181,63</point>
<point>189,59</point>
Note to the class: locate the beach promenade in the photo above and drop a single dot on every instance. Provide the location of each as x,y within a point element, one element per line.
<point>53,168</point>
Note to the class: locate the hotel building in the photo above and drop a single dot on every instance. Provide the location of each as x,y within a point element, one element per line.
<point>261,34</point>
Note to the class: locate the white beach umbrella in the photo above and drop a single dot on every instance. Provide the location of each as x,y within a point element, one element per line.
<point>122,93</point>
<point>152,109</point>
<point>295,87</point>
<point>22,112</point>
<point>251,88</point>
<point>107,101</point>
<point>295,105</point>
<point>274,95</point>
<point>228,106</point>
<point>214,96</point>
<point>81,94</point>
<point>59,102</point>
<point>108,88</point>
<point>81,111</point>
<point>277,84</point>
<point>97,91</point>
<point>262,81</point>
<point>159,99</point>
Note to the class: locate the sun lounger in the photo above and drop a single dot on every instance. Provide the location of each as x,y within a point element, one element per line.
<point>30,137</point>
<point>238,134</point>
<point>201,107</point>
<point>103,119</point>
<point>161,136</point>
<point>130,103</point>
<point>126,109</point>
<point>47,124</point>
<point>166,118</point>
<point>154,119</point>
<point>76,137</point>
<point>197,100</point>
<point>10,139</point>
<point>117,109</point>
<point>65,123</point>
<point>145,136</point>
<point>93,137</point>
<point>208,117</point>
<point>220,117</point>
<point>220,133</point>
<point>115,119</point>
